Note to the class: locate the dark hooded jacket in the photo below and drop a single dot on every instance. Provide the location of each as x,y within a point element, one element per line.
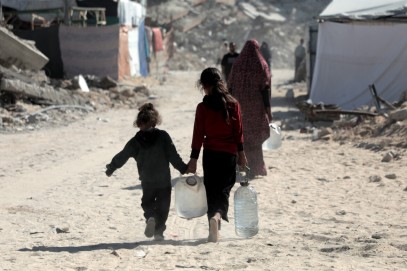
<point>153,151</point>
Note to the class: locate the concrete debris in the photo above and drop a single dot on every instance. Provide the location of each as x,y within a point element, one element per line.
<point>20,53</point>
<point>252,12</point>
<point>398,114</point>
<point>388,157</point>
<point>47,94</point>
<point>29,100</point>
<point>226,2</point>
<point>364,127</point>
<point>280,23</point>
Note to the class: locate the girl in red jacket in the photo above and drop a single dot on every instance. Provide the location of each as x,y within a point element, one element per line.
<point>218,128</point>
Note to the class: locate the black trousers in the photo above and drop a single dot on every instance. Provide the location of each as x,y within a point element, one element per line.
<point>156,203</point>
<point>219,178</point>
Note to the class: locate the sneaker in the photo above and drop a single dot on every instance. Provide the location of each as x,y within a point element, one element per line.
<point>158,237</point>
<point>150,227</point>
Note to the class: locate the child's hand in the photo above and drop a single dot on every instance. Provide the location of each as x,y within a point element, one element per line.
<point>109,170</point>
<point>192,166</point>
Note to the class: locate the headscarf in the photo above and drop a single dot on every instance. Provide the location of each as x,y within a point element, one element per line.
<point>251,63</point>
<point>250,75</point>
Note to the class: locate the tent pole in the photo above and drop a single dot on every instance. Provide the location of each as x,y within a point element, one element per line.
<point>66,13</point>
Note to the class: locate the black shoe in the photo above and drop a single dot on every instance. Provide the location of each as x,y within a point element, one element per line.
<point>159,237</point>
<point>150,227</point>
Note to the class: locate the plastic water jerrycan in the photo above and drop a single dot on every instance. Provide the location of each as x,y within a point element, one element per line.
<point>274,141</point>
<point>246,210</point>
<point>190,197</point>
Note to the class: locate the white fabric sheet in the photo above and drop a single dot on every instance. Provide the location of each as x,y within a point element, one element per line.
<point>350,57</point>
<point>129,12</point>
<point>133,50</point>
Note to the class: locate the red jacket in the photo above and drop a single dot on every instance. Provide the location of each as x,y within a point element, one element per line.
<point>212,131</point>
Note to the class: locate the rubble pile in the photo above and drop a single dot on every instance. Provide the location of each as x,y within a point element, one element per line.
<point>365,127</point>
<point>202,25</point>
<point>386,130</point>
<point>382,132</point>
<point>30,100</point>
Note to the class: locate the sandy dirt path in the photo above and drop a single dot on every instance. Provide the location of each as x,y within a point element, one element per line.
<point>319,209</point>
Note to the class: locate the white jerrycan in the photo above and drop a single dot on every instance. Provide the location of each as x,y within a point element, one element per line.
<point>190,197</point>
<point>274,141</point>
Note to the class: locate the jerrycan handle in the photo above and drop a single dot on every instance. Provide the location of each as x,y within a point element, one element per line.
<point>245,182</point>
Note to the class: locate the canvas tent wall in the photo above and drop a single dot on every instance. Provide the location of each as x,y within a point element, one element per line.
<point>360,43</point>
<point>112,50</point>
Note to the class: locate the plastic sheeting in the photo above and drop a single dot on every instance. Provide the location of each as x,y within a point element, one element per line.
<point>350,57</point>
<point>364,9</point>
<point>130,13</point>
<point>36,4</point>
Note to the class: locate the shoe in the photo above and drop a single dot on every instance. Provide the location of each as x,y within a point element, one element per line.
<point>159,237</point>
<point>214,227</point>
<point>150,227</point>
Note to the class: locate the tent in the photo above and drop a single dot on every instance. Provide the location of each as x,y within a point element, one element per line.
<point>35,4</point>
<point>48,9</point>
<point>109,50</point>
<point>360,43</point>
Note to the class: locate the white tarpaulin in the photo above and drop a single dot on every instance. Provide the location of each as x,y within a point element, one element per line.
<point>350,57</point>
<point>133,50</point>
<point>130,13</point>
<point>359,9</point>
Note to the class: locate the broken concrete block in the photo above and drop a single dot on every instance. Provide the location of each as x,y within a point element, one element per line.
<point>19,52</point>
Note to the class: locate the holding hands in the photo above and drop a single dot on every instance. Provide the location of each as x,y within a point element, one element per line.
<point>192,166</point>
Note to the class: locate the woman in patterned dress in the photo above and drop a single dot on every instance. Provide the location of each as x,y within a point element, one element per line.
<point>250,83</point>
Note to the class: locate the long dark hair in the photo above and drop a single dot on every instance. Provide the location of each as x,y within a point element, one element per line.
<point>220,96</point>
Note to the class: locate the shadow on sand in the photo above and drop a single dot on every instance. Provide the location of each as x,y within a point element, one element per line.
<point>117,246</point>
<point>133,187</point>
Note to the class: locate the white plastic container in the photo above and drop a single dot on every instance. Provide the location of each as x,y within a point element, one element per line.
<point>246,211</point>
<point>274,141</point>
<point>190,197</point>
